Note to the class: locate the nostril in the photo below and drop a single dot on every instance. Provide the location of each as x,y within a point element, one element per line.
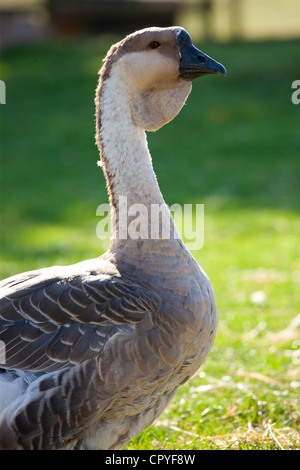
<point>202,59</point>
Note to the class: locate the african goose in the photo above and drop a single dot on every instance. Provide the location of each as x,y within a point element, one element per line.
<point>95,351</point>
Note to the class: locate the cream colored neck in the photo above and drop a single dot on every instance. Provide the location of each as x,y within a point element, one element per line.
<point>124,150</point>
<point>125,156</point>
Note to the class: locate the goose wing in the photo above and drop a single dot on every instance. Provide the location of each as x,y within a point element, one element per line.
<point>61,316</point>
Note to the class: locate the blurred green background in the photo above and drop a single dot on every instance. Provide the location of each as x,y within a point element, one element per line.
<point>234,147</point>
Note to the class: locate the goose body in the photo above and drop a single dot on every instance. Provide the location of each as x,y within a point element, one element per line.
<point>95,351</point>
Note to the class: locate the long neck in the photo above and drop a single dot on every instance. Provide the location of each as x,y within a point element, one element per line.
<point>125,157</point>
<point>124,151</point>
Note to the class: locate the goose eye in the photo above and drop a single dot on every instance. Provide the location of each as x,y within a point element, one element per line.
<point>154,44</point>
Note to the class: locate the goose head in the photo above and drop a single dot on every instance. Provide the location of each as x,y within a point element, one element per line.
<point>155,67</point>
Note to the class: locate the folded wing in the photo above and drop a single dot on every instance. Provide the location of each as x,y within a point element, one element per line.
<point>55,317</point>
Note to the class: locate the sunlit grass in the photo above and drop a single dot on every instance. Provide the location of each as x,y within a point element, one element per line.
<point>235,149</point>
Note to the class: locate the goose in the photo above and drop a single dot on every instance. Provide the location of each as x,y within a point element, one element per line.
<point>94,352</point>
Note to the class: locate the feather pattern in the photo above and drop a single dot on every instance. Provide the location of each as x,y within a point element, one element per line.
<point>66,319</point>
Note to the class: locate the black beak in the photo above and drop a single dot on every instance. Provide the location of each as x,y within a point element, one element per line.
<point>194,63</point>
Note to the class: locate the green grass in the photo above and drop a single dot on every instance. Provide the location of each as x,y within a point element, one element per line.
<point>235,148</point>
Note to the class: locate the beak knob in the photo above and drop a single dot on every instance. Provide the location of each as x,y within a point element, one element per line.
<point>193,62</point>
